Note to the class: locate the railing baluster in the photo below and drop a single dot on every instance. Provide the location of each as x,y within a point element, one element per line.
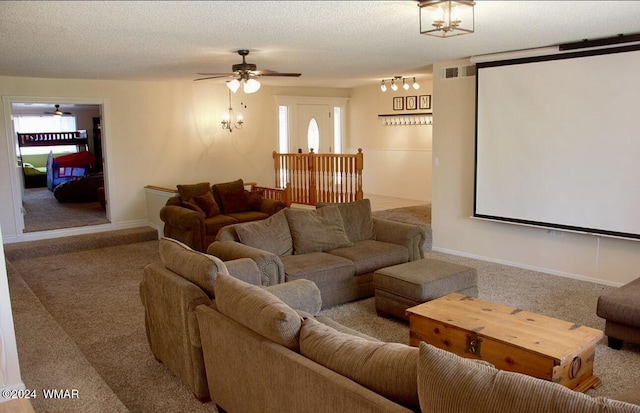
<point>313,178</point>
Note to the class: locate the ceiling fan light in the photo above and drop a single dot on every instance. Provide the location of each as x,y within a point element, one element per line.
<point>233,85</point>
<point>251,86</point>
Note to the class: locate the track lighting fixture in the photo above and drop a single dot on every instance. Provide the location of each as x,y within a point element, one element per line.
<point>394,85</point>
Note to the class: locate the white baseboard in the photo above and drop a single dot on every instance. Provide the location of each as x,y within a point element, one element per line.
<point>579,277</point>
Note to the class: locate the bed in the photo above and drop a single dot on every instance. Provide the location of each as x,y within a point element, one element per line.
<point>56,169</point>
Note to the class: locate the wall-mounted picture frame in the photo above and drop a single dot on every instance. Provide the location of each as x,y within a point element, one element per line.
<point>424,102</point>
<point>398,103</point>
<point>412,102</point>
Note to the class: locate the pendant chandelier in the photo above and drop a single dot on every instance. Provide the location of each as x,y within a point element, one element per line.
<point>446,18</point>
<point>227,118</point>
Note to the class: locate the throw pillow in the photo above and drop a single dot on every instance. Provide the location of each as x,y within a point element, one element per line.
<point>207,204</point>
<point>194,207</point>
<point>271,234</point>
<point>258,310</point>
<point>389,369</point>
<point>255,200</point>
<point>219,189</point>
<point>443,377</point>
<point>357,218</point>
<point>186,192</point>
<point>201,269</point>
<point>236,200</point>
<point>316,230</point>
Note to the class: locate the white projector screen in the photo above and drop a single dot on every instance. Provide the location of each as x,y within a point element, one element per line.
<point>558,141</point>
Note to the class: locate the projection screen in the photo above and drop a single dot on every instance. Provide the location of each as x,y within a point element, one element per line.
<point>558,141</point>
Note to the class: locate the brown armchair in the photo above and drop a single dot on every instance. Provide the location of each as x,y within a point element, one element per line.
<point>195,216</point>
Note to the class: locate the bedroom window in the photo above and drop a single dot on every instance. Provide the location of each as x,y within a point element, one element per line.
<point>35,124</point>
<point>32,124</point>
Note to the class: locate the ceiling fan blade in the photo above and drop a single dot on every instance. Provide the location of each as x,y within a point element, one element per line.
<point>281,74</point>
<point>212,77</point>
<point>217,74</point>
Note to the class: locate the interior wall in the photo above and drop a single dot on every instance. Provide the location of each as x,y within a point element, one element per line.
<point>600,259</point>
<point>397,159</point>
<point>161,133</point>
<point>9,364</point>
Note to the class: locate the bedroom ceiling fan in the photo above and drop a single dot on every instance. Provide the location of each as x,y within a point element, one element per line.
<point>245,73</point>
<point>57,112</point>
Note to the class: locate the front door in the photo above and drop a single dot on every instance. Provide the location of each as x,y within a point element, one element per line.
<point>315,129</point>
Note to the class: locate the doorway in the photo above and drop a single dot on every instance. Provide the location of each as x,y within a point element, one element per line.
<point>70,191</point>
<point>311,122</point>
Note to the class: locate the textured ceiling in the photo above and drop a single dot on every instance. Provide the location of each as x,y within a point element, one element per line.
<point>332,43</point>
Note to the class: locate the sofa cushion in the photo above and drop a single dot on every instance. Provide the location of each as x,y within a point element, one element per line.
<point>444,376</point>
<point>371,255</point>
<point>258,310</point>
<point>357,218</point>
<point>389,369</point>
<point>316,230</point>
<point>206,202</point>
<point>213,224</point>
<point>201,269</point>
<point>271,234</point>
<point>187,192</point>
<point>248,216</point>
<point>319,267</point>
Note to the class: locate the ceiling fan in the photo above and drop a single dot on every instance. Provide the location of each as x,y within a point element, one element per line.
<point>57,112</point>
<point>245,73</point>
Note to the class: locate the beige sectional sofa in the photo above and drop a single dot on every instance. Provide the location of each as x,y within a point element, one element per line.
<point>250,347</point>
<point>338,247</point>
<point>261,355</point>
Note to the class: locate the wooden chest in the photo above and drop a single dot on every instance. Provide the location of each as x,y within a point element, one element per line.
<point>509,338</point>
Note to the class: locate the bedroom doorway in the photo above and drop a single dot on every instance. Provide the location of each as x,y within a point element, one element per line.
<point>60,175</point>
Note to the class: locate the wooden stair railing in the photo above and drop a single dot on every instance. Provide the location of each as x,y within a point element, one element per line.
<point>279,194</point>
<point>322,177</point>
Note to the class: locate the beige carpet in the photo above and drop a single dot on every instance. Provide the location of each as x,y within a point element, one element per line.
<point>79,324</point>
<point>43,212</point>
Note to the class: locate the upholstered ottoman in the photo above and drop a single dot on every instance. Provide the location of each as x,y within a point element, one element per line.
<point>405,285</point>
<point>621,309</point>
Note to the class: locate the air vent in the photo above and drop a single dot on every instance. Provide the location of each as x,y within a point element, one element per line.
<point>470,70</point>
<point>458,71</point>
<point>450,72</point>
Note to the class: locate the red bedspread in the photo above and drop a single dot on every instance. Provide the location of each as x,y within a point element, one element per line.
<point>75,159</point>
